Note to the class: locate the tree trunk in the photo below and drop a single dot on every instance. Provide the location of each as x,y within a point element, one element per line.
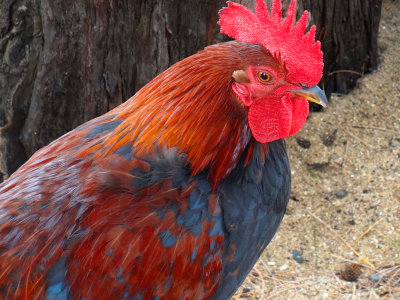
<point>348,30</point>
<point>63,62</point>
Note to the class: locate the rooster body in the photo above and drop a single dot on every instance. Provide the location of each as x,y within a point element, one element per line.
<point>172,195</point>
<point>106,235</point>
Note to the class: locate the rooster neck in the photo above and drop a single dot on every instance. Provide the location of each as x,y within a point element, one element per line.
<point>190,107</point>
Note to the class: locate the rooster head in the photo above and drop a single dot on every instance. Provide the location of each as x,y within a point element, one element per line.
<point>280,70</point>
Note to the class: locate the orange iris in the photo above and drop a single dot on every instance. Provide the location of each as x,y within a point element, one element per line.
<point>264,77</point>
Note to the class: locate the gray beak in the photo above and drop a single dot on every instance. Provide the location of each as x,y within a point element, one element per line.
<point>313,94</point>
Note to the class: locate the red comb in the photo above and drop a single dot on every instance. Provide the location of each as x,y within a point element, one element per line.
<point>299,51</point>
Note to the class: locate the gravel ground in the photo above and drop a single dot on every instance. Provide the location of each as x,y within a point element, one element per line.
<point>344,218</point>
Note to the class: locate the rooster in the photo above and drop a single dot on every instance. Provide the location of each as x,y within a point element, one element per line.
<point>175,193</point>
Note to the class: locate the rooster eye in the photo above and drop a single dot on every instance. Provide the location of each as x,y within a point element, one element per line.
<point>264,77</point>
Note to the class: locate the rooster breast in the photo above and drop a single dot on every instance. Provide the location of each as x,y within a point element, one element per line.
<point>253,200</point>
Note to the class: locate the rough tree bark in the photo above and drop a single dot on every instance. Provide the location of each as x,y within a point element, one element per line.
<point>63,62</point>
<point>348,30</point>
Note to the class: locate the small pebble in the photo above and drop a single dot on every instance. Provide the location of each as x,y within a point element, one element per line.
<point>393,143</point>
<point>303,143</point>
<point>352,222</point>
<point>375,277</point>
<point>246,290</point>
<point>255,274</point>
<point>297,256</point>
<point>283,267</point>
<point>341,193</point>
<point>329,139</point>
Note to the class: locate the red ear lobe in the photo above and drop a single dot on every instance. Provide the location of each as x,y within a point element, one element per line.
<point>243,93</point>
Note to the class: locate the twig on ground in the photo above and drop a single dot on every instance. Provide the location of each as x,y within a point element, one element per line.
<point>344,157</point>
<point>343,240</point>
<point>375,128</point>
<point>350,261</point>
<point>361,141</point>
<point>368,230</point>
<point>315,251</point>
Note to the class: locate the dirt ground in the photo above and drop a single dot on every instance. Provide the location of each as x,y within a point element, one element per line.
<point>344,213</point>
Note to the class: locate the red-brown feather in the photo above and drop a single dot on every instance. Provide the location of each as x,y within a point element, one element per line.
<point>180,113</point>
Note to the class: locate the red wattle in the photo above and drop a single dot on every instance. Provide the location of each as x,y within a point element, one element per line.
<point>301,109</point>
<point>275,118</point>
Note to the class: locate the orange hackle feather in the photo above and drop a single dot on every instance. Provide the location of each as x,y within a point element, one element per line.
<point>193,112</point>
